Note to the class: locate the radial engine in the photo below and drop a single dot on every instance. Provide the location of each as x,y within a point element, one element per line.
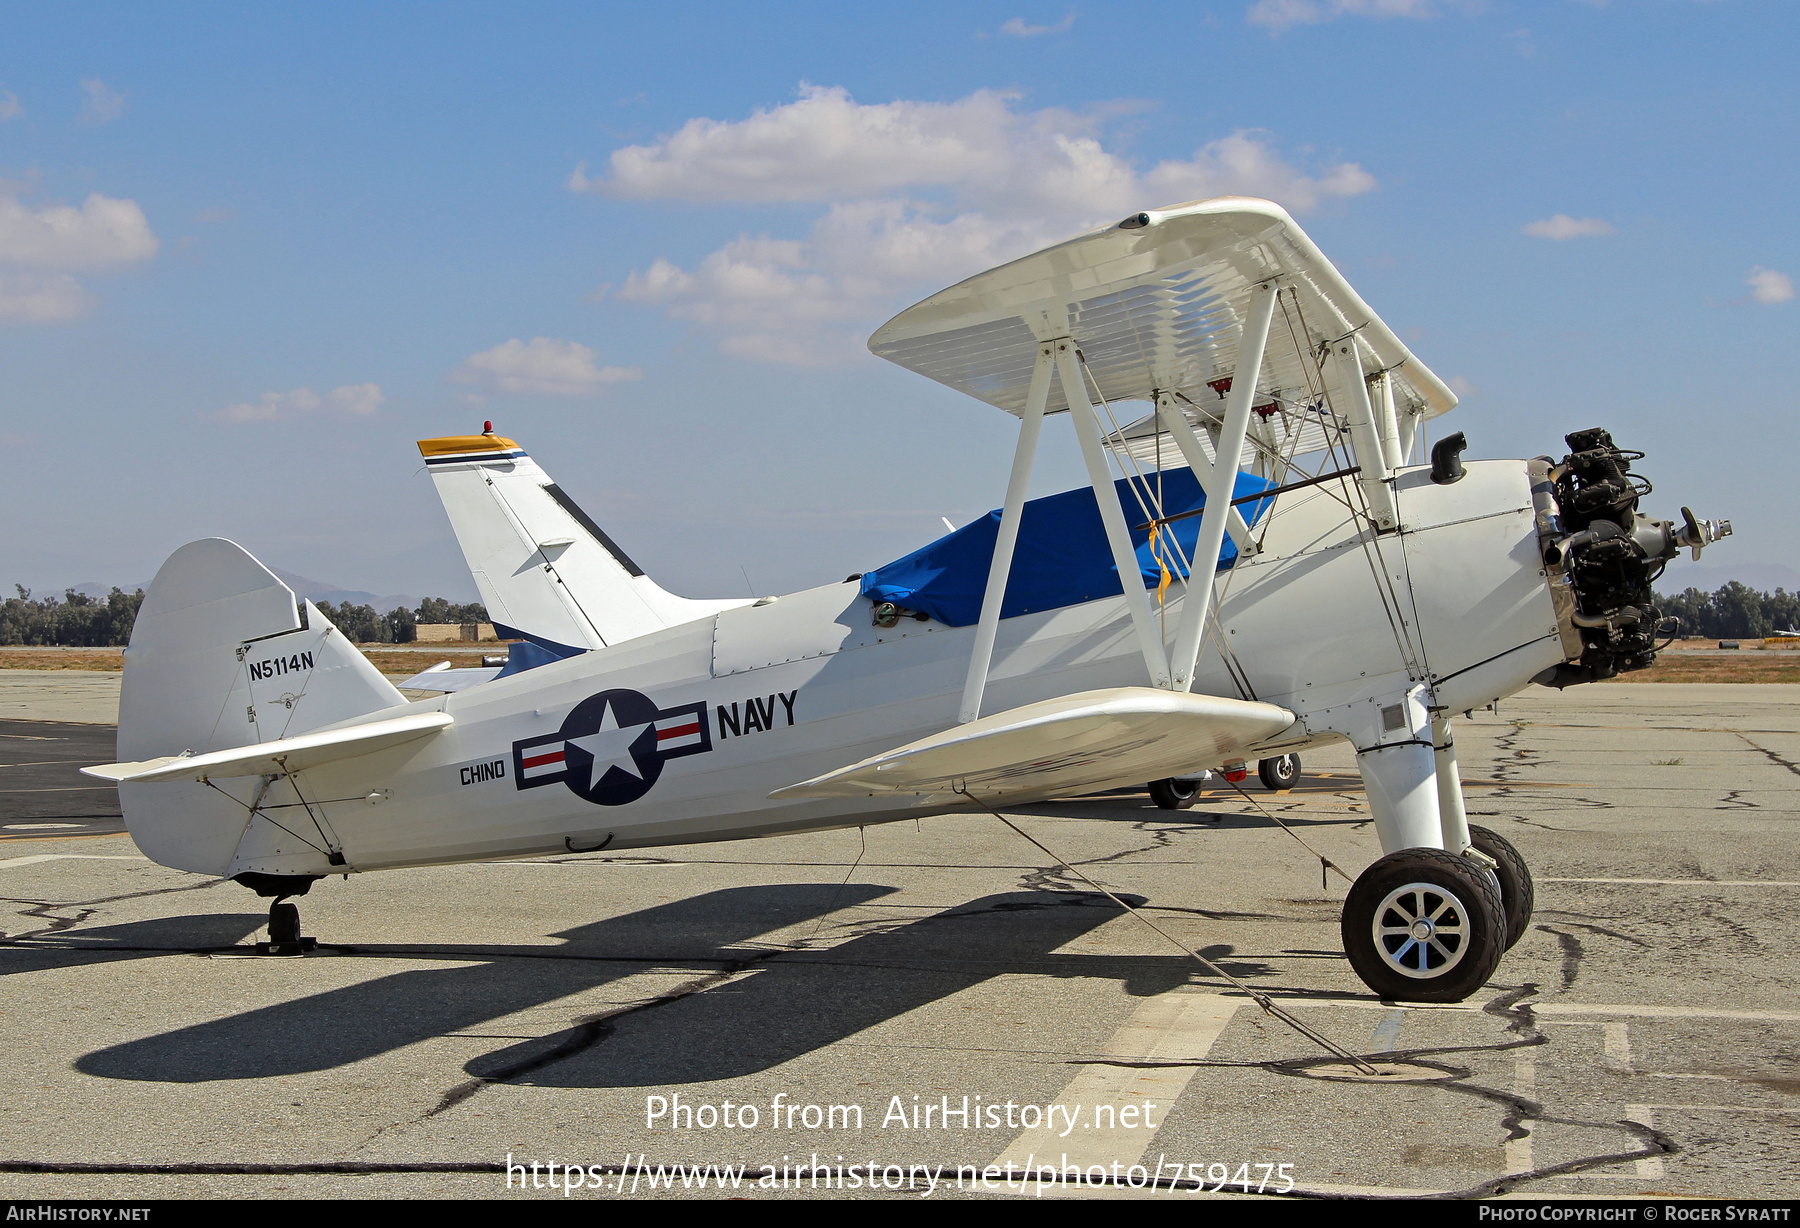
<point>1602,555</point>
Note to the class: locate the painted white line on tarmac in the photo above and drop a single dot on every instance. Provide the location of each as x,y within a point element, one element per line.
<point>1171,1027</point>
<point>1518,1150</point>
<point>1552,1008</point>
<point>1678,882</point>
<point>14,862</point>
<point>1661,1012</point>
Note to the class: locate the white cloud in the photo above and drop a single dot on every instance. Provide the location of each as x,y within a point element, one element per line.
<point>99,105</point>
<point>102,232</point>
<point>1769,287</point>
<point>826,147</point>
<point>918,194</point>
<point>1463,387</point>
<point>9,105</point>
<point>545,367</point>
<point>1562,226</point>
<point>40,246</point>
<point>1017,28</point>
<point>1279,15</point>
<point>42,298</point>
<point>354,400</point>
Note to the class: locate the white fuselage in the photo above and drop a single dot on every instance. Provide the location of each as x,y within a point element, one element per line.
<point>1327,622</point>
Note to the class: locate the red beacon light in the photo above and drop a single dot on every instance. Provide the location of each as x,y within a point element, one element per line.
<point>487,428</point>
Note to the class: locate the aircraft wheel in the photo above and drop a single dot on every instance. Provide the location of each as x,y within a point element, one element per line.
<point>1422,925</point>
<point>1517,895</point>
<point>1173,794</point>
<point>284,924</point>
<point>1279,773</point>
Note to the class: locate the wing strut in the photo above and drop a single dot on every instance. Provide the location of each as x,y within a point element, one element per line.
<point>1365,433</point>
<point>1218,479</point>
<point>1137,597</point>
<point>1030,426</point>
<point>1172,418</point>
<point>1058,357</point>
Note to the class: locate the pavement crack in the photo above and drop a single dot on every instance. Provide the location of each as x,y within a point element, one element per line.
<point>56,924</point>
<point>1789,764</point>
<point>1516,1109</point>
<point>1571,954</point>
<point>1601,929</point>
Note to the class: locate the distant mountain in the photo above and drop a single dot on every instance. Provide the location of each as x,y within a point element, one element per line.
<point>316,590</point>
<point>96,591</point>
<point>1683,574</point>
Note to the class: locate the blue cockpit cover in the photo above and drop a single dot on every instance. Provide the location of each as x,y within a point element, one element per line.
<point>1062,557</point>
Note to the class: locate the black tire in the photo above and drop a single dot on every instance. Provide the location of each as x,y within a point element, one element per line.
<point>1280,773</point>
<point>1517,894</point>
<point>1463,943</point>
<point>284,923</point>
<point>1174,794</point>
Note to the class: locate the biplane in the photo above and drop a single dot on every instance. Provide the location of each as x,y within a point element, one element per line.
<point>1263,561</point>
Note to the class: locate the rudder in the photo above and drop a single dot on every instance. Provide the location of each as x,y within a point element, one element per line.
<point>222,655</point>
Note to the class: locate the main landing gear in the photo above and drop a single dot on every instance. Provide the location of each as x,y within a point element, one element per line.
<point>1180,792</point>
<point>1429,921</point>
<point>1423,925</point>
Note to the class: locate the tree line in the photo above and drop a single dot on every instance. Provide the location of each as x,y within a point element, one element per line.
<point>1735,611</point>
<point>76,620</point>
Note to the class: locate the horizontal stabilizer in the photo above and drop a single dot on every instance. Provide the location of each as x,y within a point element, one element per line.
<point>276,758</point>
<point>1082,742</point>
<point>447,680</point>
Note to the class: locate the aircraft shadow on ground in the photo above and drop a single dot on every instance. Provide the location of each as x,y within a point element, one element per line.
<point>790,1004</point>
<point>808,1001</point>
<point>72,948</point>
<point>341,1026</point>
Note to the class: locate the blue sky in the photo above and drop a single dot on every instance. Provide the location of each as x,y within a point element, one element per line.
<point>247,256</point>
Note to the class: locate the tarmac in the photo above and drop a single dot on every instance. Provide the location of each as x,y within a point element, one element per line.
<point>809,1007</point>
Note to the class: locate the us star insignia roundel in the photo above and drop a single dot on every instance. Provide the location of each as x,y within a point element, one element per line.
<point>612,747</point>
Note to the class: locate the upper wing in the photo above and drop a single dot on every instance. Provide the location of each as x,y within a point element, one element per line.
<point>1087,741</point>
<point>1157,304</point>
<point>276,758</point>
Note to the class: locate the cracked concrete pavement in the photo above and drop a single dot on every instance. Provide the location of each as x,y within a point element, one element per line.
<point>1640,1038</point>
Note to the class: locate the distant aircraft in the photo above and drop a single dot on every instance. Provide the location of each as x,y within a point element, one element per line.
<point>1053,647</point>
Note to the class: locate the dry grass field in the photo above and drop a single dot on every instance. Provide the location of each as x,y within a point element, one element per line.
<point>387,659</point>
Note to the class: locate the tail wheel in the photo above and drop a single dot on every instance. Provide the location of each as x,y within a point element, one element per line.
<point>284,923</point>
<point>1517,895</point>
<point>1422,925</point>
<point>1279,773</point>
<point>1174,794</point>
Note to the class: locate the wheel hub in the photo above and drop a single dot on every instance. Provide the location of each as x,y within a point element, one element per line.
<point>1421,930</point>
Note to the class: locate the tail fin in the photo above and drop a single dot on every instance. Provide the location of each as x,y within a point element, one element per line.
<point>546,572</point>
<point>222,656</point>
